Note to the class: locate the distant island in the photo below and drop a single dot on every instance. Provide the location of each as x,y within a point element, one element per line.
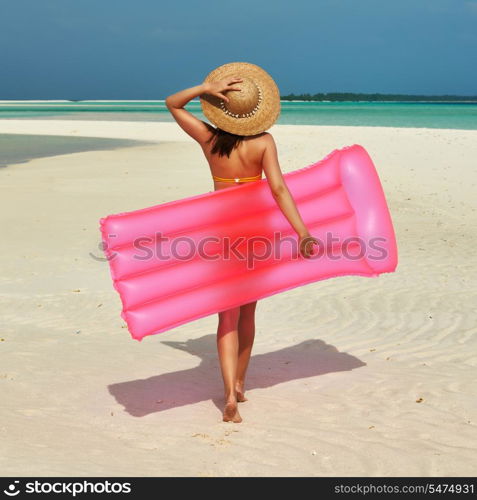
<point>349,96</point>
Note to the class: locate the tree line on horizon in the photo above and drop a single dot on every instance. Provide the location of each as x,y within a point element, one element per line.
<point>350,96</point>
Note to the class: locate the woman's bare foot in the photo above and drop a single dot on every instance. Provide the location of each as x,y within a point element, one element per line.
<point>240,392</point>
<point>231,413</point>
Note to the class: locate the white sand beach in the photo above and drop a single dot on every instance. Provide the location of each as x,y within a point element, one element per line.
<point>350,376</point>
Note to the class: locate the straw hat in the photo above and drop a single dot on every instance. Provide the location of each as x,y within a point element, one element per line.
<point>252,110</point>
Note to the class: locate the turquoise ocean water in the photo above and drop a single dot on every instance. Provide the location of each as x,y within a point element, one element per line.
<point>378,114</point>
<point>19,148</point>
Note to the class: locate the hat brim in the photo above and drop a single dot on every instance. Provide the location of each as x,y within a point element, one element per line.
<point>264,117</point>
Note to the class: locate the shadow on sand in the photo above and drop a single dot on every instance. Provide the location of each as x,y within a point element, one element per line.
<point>203,382</point>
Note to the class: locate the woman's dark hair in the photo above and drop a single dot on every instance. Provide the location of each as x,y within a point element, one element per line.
<point>224,142</point>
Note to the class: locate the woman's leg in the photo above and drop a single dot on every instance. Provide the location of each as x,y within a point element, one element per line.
<point>246,335</point>
<point>228,348</point>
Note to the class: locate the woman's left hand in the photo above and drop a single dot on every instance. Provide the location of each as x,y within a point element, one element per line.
<point>219,87</point>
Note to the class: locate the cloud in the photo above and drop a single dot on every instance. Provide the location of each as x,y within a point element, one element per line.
<point>471,5</point>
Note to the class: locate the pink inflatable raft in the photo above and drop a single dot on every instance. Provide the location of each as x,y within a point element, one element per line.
<point>179,261</point>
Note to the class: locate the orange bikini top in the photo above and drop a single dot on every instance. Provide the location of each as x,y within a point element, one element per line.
<point>238,179</point>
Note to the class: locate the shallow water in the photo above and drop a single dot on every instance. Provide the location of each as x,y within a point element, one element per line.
<point>378,114</point>
<point>19,148</point>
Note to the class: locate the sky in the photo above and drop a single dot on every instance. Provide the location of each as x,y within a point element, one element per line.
<point>149,49</point>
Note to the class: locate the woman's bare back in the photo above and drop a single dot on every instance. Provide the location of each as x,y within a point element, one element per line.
<point>244,161</point>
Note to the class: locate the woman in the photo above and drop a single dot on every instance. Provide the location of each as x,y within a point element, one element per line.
<point>242,100</point>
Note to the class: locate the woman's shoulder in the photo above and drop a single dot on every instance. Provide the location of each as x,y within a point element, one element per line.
<point>263,137</point>
<point>266,136</point>
<point>259,142</point>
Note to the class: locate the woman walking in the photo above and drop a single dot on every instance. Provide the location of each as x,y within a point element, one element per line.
<point>242,101</point>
